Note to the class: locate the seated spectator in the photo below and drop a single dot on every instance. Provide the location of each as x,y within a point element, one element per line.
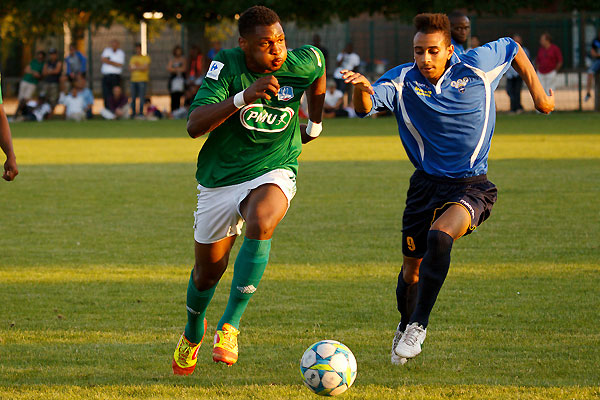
<point>334,99</point>
<point>85,92</point>
<point>117,105</point>
<point>188,98</point>
<point>152,112</point>
<point>28,85</point>
<point>75,107</point>
<point>36,110</point>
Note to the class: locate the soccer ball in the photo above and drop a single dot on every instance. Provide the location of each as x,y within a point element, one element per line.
<point>328,368</point>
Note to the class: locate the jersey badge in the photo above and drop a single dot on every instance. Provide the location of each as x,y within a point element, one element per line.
<point>263,118</point>
<point>285,93</point>
<point>214,70</point>
<point>460,84</point>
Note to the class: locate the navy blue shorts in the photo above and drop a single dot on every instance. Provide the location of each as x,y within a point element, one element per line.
<point>429,196</point>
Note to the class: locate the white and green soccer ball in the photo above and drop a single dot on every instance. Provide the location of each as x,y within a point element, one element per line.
<point>328,368</point>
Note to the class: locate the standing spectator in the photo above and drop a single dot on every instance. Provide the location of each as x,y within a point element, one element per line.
<point>75,107</point>
<point>347,60</point>
<point>10,165</point>
<point>317,43</point>
<point>548,62</point>
<point>33,73</point>
<point>139,65</point>
<point>76,63</point>
<point>51,74</point>
<point>176,68</point>
<point>195,72</point>
<point>514,82</point>
<point>460,28</point>
<point>595,67</point>
<point>113,59</point>
<point>118,107</point>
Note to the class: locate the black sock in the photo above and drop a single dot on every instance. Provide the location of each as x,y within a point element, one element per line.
<point>432,273</point>
<point>406,298</point>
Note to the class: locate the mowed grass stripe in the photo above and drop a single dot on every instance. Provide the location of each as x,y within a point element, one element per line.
<point>355,148</point>
<point>275,391</point>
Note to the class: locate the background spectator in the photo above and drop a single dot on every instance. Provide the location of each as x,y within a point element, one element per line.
<point>75,107</point>
<point>51,77</point>
<point>176,68</point>
<point>36,109</point>
<point>475,42</point>
<point>460,28</point>
<point>118,107</point>
<point>195,71</point>
<point>76,63</point>
<point>33,73</point>
<point>113,59</point>
<point>347,59</point>
<point>334,100</point>
<point>139,65</point>
<point>212,52</point>
<point>548,62</point>
<point>514,83</point>
<point>595,67</point>
<point>84,91</point>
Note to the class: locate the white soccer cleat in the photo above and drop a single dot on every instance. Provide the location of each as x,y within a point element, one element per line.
<point>410,343</point>
<point>396,360</point>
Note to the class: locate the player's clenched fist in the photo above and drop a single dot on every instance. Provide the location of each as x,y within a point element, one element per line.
<point>358,80</point>
<point>262,88</point>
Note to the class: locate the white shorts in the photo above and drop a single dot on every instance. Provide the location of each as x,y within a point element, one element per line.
<point>218,214</point>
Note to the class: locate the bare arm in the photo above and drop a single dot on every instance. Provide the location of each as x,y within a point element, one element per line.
<point>107,60</point>
<point>362,91</point>
<point>315,95</point>
<point>543,103</point>
<point>208,117</point>
<point>10,166</point>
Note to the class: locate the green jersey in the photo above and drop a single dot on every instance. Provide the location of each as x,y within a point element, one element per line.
<point>262,136</point>
<point>37,66</point>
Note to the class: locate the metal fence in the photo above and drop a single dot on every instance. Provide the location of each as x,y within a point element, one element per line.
<point>381,43</point>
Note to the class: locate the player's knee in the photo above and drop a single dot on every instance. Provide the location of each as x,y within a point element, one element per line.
<point>439,243</point>
<point>261,227</point>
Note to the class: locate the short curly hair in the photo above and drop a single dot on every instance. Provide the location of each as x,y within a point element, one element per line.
<point>430,23</point>
<point>256,16</point>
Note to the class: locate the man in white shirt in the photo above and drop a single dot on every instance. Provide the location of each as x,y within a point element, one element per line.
<point>113,59</point>
<point>346,60</point>
<point>333,101</point>
<point>75,105</point>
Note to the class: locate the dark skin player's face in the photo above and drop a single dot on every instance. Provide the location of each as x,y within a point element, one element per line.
<point>265,49</point>
<point>461,27</point>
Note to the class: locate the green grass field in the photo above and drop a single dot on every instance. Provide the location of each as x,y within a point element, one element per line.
<point>96,246</point>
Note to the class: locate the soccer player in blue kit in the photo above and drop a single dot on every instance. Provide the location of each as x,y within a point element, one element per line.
<point>444,106</point>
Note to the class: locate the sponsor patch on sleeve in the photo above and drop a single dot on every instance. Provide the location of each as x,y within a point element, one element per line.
<point>214,70</point>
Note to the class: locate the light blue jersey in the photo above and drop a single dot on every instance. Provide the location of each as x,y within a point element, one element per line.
<point>458,48</point>
<point>447,128</point>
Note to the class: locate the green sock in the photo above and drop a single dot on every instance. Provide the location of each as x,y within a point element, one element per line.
<point>196,305</point>
<point>249,267</point>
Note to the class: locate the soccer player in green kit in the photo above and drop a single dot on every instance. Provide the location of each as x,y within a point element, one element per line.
<point>247,168</point>
<point>10,166</point>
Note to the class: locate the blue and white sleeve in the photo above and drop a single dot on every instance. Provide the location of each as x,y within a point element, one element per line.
<point>493,58</point>
<point>384,97</point>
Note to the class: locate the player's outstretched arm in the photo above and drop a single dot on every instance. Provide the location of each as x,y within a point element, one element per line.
<point>362,91</point>
<point>543,102</point>
<point>10,166</point>
<point>315,95</point>
<point>207,117</point>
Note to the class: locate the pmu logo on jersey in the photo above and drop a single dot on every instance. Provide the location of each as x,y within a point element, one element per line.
<point>262,118</point>
<point>214,70</point>
<point>460,84</point>
<point>285,93</point>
